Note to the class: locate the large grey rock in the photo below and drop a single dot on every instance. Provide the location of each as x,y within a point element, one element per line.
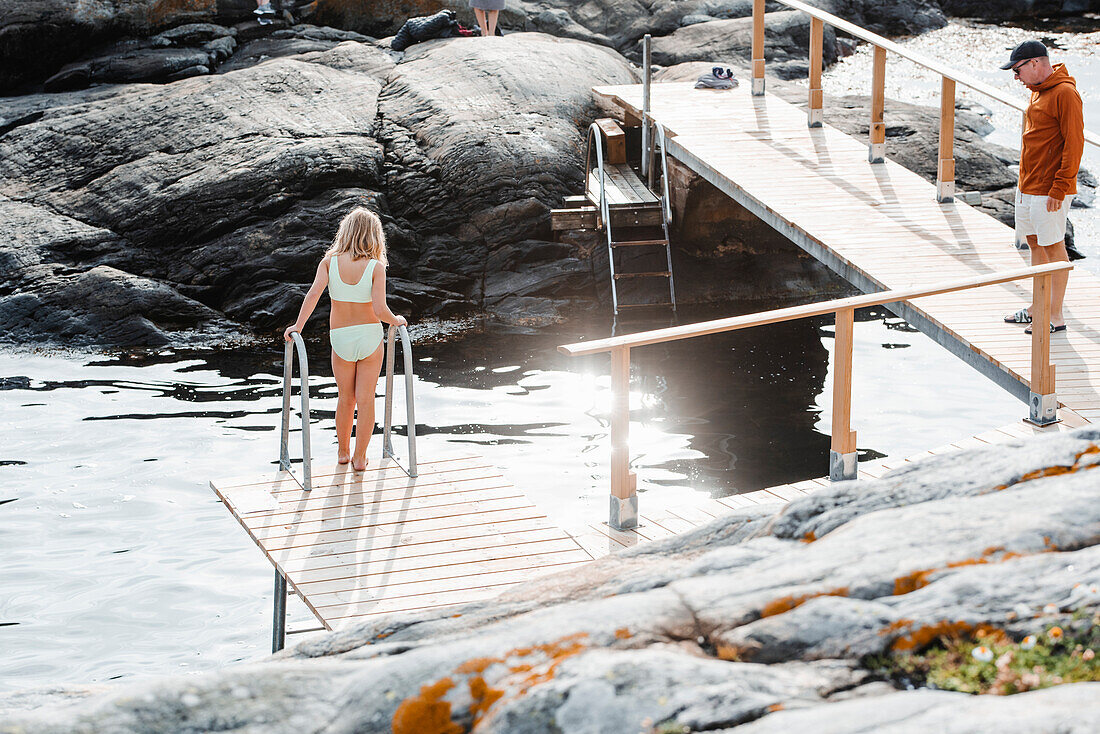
<point>227,188</point>
<point>727,628</point>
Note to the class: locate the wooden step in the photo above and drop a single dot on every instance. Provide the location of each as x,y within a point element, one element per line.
<point>639,243</point>
<point>583,217</point>
<point>640,216</point>
<point>655,304</point>
<point>658,274</point>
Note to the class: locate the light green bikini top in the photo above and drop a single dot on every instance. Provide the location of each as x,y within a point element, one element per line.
<point>338,290</point>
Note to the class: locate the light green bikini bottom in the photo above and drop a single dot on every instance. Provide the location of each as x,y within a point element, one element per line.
<point>353,343</point>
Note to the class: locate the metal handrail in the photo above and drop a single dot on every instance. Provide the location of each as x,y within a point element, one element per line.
<point>667,199</point>
<point>410,414</point>
<point>595,132</point>
<point>303,369</point>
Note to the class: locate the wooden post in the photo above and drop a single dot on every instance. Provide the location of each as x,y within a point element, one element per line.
<point>945,172</point>
<point>624,496</point>
<point>817,34</point>
<point>842,456</point>
<point>876,151</point>
<point>1043,404</point>
<point>757,47</point>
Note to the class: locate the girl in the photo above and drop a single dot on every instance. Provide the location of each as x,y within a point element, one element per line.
<point>486,12</point>
<point>354,270</point>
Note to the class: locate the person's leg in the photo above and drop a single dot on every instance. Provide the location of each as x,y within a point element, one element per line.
<point>366,380</point>
<point>344,372</point>
<point>1056,253</point>
<point>491,22</point>
<point>482,22</point>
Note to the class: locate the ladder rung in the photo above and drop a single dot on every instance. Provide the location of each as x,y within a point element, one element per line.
<point>635,243</point>
<point>645,305</point>
<point>661,274</point>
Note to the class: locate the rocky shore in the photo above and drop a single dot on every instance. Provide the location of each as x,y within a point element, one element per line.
<point>813,616</point>
<point>171,170</point>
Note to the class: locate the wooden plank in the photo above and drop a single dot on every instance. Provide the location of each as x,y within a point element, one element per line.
<point>428,546</point>
<point>393,582</point>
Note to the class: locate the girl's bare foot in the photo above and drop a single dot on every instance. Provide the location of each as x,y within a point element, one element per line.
<point>359,463</point>
<point>342,457</point>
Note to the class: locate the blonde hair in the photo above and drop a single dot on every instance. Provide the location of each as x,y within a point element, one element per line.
<point>361,234</point>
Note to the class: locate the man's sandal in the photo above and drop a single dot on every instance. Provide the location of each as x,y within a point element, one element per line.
<point>1020,317</point>
<point>1053,329</point>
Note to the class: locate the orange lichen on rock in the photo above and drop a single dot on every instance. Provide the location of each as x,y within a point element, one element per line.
<point>729,653</point>
<point>426,713</point>
<point>622,634</point>
<point>809,537</point>
<point>484,697</point>
<point>896,626</point>
<point>524,668</point>
<point>787,603</point>
<point>775,707</point>
<point>1053,471</point>
<point>919,579</point>
<point>924,636</point>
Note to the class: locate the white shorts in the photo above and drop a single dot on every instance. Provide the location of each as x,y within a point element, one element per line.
<point>1032,218</point>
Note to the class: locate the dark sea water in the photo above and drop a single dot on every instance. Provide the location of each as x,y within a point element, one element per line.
<point>120,562</point>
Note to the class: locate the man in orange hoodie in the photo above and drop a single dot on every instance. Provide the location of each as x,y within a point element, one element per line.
<point>1054,137</point>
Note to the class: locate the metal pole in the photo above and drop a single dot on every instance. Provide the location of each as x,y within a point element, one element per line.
<point>410,412</point>
<point>278,623</point>
<point>387,420</point>
<point>284,447</point>
<point>647,78</point>
<point>307,456</point>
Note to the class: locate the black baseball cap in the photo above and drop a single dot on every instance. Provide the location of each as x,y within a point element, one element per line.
<point>1026,50</point>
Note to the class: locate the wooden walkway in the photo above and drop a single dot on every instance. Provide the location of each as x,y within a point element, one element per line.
<point>377,542</point>
<point>877,225</point>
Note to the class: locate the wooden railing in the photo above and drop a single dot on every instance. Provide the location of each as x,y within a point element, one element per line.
<point>842,458</point>
<point>945,170</point>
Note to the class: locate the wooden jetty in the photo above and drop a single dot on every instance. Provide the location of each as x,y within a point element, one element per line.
<point>454,530</point>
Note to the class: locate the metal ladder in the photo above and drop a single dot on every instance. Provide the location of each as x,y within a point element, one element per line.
<point>596,141</point>
<point>278,635</point>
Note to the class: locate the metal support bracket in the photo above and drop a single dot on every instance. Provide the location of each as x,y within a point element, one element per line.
<point>1043,410</point>
<point>876,153</point>
<point>757,87</point>
<point>815,118</point>
<point>842,467</point>
<point>624,513</point>
<point>945,191</point>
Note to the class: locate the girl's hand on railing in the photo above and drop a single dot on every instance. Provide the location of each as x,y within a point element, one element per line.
<point>290,330</point>
<point>400,320</point>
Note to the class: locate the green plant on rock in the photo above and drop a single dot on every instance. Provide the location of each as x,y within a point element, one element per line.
<point>993,663</point>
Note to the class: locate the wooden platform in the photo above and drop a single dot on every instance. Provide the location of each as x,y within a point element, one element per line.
<point>877,225</point>
<point>662,521</point>
<point>624,188</point>
<point>377,541</point>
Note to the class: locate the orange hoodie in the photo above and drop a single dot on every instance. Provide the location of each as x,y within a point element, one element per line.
<point>1054,137</point>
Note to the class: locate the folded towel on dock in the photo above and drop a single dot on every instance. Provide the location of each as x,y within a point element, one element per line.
<point>719,77</point>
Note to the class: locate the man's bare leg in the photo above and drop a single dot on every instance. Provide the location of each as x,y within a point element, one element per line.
<point>491,22</point>
<point>1059,281</point>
